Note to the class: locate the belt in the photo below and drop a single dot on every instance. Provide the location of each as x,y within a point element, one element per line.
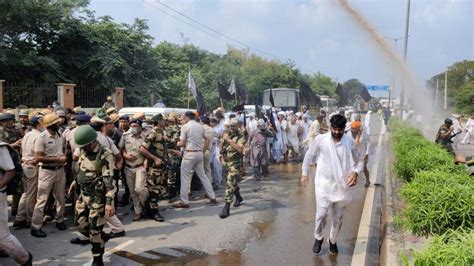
<point>133,166</point>
<point>193,150</point>
<point>51,167</point>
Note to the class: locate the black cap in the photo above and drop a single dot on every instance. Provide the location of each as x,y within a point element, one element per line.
<point>124,117</point>
<point>190,114</point>
<point>448,121</point>
<point>205,119</point>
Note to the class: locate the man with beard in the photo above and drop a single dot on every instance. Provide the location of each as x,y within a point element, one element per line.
<point>49,152</point>
<point>339,164</point>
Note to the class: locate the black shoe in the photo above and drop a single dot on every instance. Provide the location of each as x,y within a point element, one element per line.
<point>29,262</point>
<point>225,211</point>
<point>238,198</point>
<point>78,241</point>
<point>3,254</point>
<point>17,225</point>
<point>333,248</point>
<point>115,235</point>
<point>98,261</point>
<point>61,226</point>
<point>157,217</point>
<point>317,246</point>
<point>38,233</point>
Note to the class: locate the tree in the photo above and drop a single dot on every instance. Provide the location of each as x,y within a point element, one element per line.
<point>353,87</point>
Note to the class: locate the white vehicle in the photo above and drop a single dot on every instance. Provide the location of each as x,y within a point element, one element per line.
<point>152,111</point>
<point>328,104</point>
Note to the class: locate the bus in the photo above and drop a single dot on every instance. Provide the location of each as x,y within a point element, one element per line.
<point>284,98</point>
<point>328,104</point>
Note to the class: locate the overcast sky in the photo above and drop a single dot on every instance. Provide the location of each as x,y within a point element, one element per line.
<point>316,34</point>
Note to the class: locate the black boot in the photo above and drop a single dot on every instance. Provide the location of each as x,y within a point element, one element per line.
<point>98,261</point>
<point>157,216</point>
<point>225,211</point>
<point>238,198</point>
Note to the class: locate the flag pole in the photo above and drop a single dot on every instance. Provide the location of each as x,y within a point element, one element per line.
<point>189,98</point>
<point>222,103</point>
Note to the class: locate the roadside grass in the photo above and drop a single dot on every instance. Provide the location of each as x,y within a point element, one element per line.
<point>438,196</point>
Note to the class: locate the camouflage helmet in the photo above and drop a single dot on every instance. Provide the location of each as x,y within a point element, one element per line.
<point>234,122</point>
<point>84,136</point>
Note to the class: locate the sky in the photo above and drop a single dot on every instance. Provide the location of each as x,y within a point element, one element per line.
<point>317,35</point>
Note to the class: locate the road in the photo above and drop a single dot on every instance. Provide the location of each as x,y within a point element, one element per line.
<point>273,226</point>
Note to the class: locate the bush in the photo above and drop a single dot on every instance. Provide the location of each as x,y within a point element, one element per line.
<point>438,201</point>
<point>452,248</point>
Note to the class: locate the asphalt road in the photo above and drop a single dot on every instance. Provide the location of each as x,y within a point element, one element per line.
<point>273,226</point>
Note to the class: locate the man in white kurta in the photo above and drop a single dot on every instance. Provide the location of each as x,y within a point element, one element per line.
<point>293,133</point>
<point>284,129</point>
<point>338,166</point>
<point>469,137</point>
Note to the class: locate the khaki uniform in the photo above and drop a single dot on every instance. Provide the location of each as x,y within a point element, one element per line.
<point>193,159</point>
<point>156,178</point>
<point>8,242</point>
<point>135,172</point>
<point>30,178</point>
<point>97,185</point>
<point>51,177</point>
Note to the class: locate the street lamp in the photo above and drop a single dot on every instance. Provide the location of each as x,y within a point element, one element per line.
<point>402,92</point>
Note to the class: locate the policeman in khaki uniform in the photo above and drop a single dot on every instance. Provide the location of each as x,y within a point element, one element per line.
<point>49,152</point>
<point>135,172</point>
<point>30,178</point>
<point>97,186</point>
<point>153,148</point>
<point>233,143</point>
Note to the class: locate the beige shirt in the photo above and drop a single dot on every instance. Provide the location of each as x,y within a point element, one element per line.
<point>50,145</point>
<point>104,141</point>
<point>28,145</point>
<point>209,135</point>
<point>132,144</point>
<point>193,133</point>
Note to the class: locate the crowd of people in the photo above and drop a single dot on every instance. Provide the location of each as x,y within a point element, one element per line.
<point>70,155</point>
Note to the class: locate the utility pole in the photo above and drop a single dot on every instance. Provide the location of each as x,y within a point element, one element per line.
<point>402,92</point>
<point>446,89</point>
<point>436,93</point>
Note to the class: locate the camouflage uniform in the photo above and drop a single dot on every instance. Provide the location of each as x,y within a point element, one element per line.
<point>156,178</point>
<point>172,133</point>
<point>232,160</point>
<point>445,142</point>
<point>97,189</point>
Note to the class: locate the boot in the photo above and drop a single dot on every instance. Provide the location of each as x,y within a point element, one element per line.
<point>238,198</point>
<point>98,261</point>
<point>225,211</point>
<point>157,216</point>
<point>30,260</point>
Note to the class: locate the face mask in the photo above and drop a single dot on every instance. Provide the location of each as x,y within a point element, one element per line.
<point>133,131</point>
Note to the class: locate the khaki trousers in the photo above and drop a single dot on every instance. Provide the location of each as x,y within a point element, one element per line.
<point>8,242</point>
<point>136,181</point>
<point>28,198</point>
<point>194,161</point>
<point>49,180</point>
<point>207,165</point>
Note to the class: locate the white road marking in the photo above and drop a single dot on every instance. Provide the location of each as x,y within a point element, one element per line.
<point>360,249</point>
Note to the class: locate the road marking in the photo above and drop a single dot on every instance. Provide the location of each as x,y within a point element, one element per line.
<point>117,248</point>
<point>360,249</point>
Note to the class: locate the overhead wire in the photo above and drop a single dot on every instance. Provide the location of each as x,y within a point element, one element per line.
<point>240,43</point>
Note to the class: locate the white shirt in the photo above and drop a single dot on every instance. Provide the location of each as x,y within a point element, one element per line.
<point>193,133</point>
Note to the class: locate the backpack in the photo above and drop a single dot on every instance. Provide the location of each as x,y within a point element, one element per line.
<point>15,184</point>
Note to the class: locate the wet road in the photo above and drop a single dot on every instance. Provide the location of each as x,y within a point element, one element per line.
<point>274,226</point>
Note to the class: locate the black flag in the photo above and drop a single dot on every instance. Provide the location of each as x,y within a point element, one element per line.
<point>201,106</point>
<point>342,94</point>
<point>223,92</point>
<point>270,99</point>
<point>307,96</point>
<point>365,94</point>
<point>258,114</point>
<point>242,95</point>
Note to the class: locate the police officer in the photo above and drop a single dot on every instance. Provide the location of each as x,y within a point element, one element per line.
<point>134,169</point>
<point>109,103</point>
<point>12,134</point>
<point>97,189</point>
<point>8,242</point>
<point>191,138</point>
<point>153,148</point>
<point>23,121</point>
<point>49,152</point>
<point>30,178</point>
<point>444,134</point>
<point>233,143</point>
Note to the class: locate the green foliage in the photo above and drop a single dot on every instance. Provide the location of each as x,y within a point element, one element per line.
<point>465,98</point>
<point>460,85</point>
<point>437,201</point>
<point>352,89</point>
<point>452,248</point>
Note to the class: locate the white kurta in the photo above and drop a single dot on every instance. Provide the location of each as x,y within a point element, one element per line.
<point>293,138</point>
<point>284,133</point>
<point>469,138</point>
